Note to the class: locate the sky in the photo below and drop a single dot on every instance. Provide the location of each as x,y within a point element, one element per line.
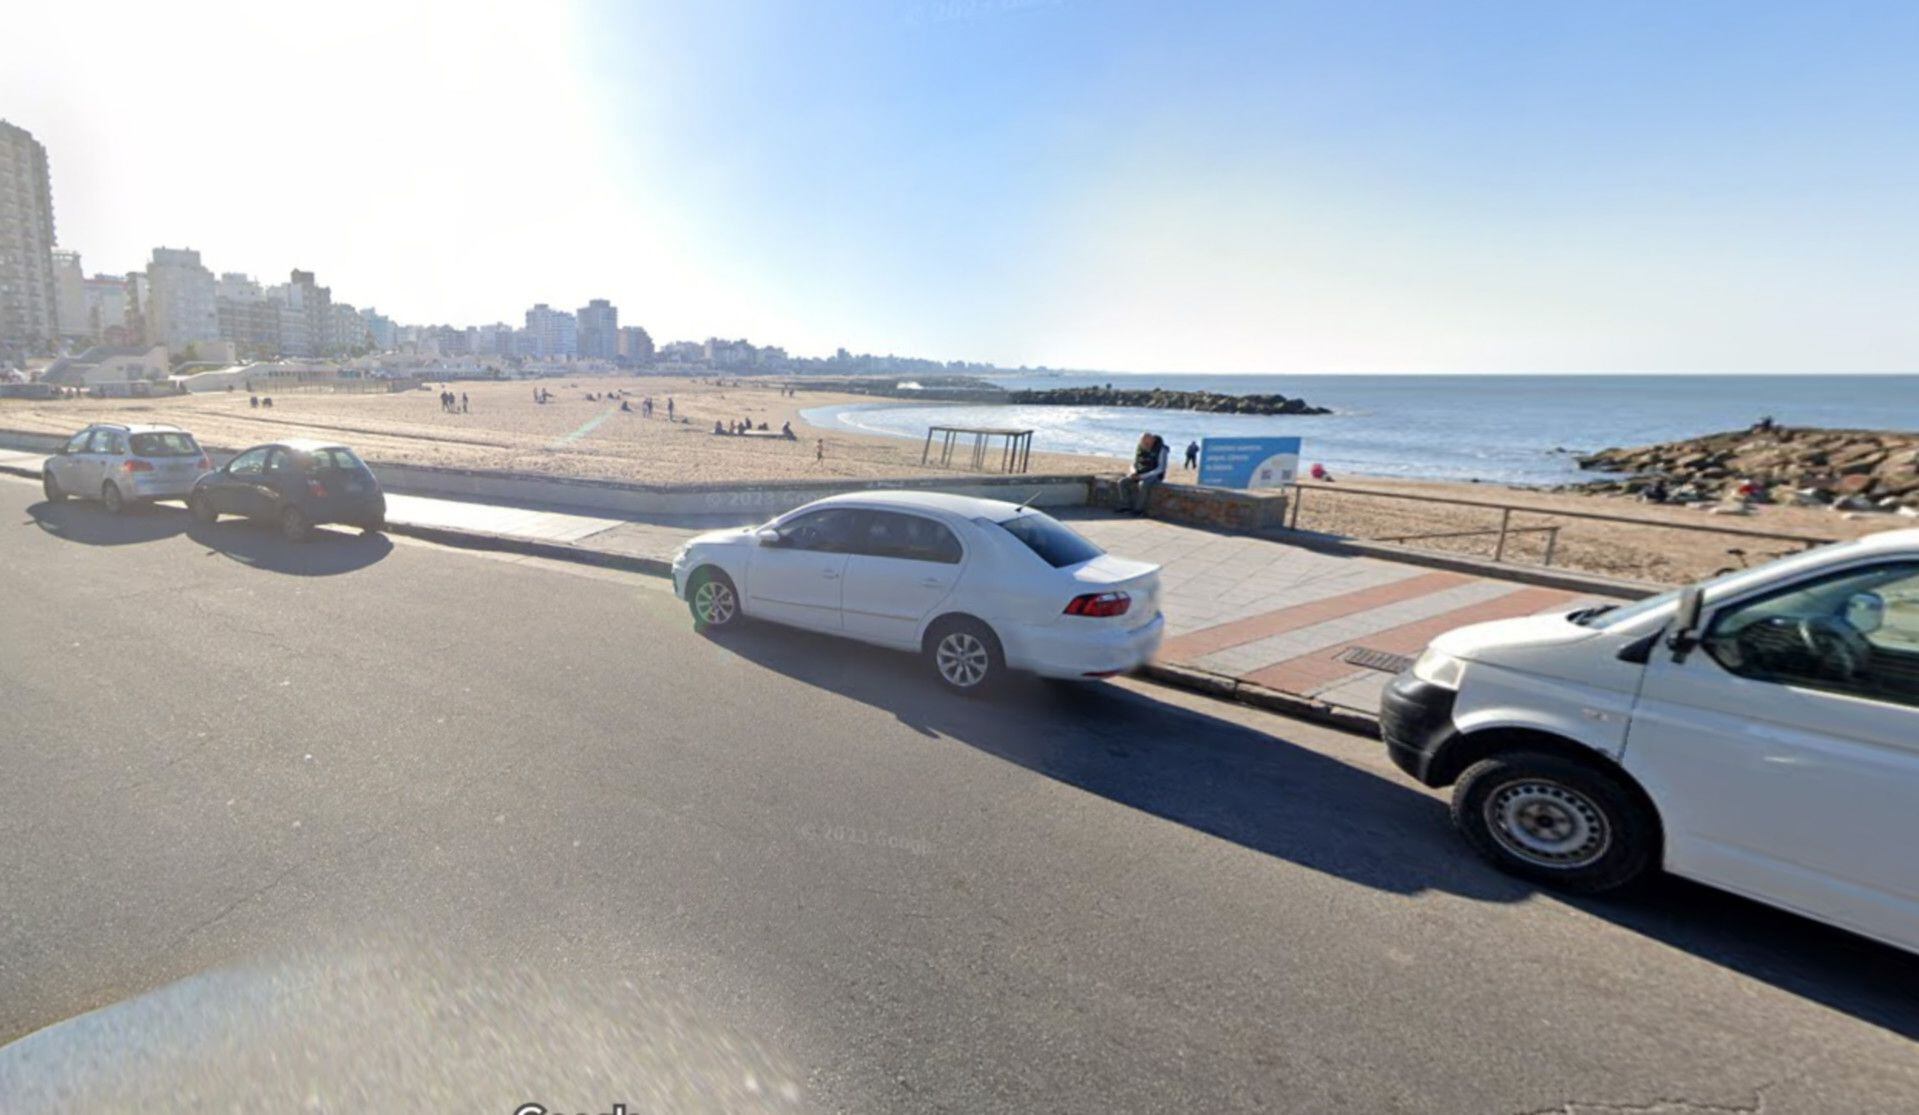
<point>1353,186</point>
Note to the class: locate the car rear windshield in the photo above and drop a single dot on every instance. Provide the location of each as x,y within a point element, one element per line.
<point>333,460</point>
<point>164,445</point>
<point>1052,540</point>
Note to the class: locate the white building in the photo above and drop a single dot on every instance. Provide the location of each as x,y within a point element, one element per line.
<point>27,307</point>
<point>183,304</point>
<point>103,366</point>
<point>70,298</point>
<point>550,333</point>
<point>106,298</point>
<point>599,330</point>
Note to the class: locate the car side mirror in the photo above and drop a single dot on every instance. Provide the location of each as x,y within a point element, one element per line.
<point>1683,635</point>
<point>769,536</point>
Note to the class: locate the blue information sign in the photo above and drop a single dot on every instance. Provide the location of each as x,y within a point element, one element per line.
<point>1248,462</point>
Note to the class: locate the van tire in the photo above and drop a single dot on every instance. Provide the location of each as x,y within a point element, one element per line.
<point>1554,821</point>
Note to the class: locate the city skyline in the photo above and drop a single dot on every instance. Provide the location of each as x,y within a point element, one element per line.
<point>1291,188</point>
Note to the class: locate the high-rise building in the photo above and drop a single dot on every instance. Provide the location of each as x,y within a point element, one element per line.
<point>27,307</point>
<point>380,329</point>
<point>306,315</point>
<point>70,298</point>
<point>347,331</point>
<point>636,347</point>
<point>183,300</point>
<point>550,333</point>
<point>599,329</point>
<point>249,316</point>
<point>107,309</point>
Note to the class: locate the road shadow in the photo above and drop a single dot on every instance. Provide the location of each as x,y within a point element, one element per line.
<point>328,553</point>
<point>1201,771</point>
<point>1289,801</point>
<point>90,524</point>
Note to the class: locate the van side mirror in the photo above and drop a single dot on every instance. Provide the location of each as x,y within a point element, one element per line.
<point>1683,635</point>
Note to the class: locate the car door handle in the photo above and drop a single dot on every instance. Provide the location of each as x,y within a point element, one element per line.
<point>830,574</point>
<point>932,582</point>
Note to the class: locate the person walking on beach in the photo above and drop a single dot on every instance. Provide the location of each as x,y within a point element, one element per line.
<point>1149,468</point>
<point>819,452</point>
<point>669,408</point>
<point>1192,454</point>
<point>464,407</point>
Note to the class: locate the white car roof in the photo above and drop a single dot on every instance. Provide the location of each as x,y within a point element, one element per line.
<point>966,507</point>
<point>138,427</point>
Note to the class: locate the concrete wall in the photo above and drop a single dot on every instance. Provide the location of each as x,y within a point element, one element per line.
<point>619,498</point>
<point>767,497</point>
<point>1213,508</point>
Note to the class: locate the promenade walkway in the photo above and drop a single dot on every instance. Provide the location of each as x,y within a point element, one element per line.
<point>1325,627</point>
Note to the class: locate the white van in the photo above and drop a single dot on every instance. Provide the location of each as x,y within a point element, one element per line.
<point>1758,732</point>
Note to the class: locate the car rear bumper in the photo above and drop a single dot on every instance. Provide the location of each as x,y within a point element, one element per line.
<point>1058,650</point>
<point>1416,723</point>
<point>144,486</point>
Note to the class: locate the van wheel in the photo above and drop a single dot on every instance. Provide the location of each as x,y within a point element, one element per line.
<point>110,495</point>
<point>965,656</point>
<point>1554,821</point>
<point>49,485</point>
<point>713,600</point>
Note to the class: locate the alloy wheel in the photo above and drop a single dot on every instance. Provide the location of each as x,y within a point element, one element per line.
<point>962,659</point>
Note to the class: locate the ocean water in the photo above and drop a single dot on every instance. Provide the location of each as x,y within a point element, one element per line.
<point>1506,429</point>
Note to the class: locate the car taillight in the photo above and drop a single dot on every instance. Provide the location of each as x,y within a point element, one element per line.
<point>1098,604</point>
<point>316,489</point>
<point>206,463</point>
<point>135,464</point>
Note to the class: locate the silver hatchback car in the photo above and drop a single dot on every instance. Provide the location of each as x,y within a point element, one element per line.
<point>118,465</point>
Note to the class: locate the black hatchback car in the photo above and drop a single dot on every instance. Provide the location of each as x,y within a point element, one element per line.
<point>297,484</point>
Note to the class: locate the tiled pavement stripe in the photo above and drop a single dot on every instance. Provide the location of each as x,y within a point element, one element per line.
<point>1321,668</point>
<point>1351,628</point>
<point>1185,648</point>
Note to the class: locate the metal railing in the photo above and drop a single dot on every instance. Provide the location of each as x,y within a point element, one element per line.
<point>1506,532</point>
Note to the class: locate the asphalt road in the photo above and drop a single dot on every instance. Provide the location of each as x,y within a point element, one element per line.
<point>368,822</point>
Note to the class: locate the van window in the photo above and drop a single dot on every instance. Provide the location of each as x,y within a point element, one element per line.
<point>1854,632</point>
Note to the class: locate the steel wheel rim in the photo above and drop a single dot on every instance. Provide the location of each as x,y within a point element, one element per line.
<point>1548,824</point>
<point>714,602</point>
<point>962,659</point>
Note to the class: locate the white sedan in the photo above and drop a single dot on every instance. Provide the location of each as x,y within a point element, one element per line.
<point>974,585</point>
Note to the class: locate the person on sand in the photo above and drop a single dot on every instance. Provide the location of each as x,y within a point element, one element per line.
<point>1192,454</point>
<point>1149,468</point>
<point>819,452</point>
<point>719,429</point>
<point>1320,474</point>
<point>669,408</point>
<point>465,408</point>
<point>786,431</point>
<point>625,406</point>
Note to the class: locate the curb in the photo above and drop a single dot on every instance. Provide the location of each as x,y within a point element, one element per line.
<point>1225,687</point>
<point>531,547</point>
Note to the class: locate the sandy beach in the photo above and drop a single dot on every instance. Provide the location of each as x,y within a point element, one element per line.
<point>575,436</point>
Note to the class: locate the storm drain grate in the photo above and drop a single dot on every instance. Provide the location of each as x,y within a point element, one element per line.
<point>1384,661</point>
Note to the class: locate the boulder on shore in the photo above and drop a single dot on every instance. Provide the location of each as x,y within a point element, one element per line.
<point>1815,465</point>
<point>1158,398</point>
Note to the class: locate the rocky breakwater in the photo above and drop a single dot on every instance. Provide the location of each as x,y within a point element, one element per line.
<point>1848,469</point>
<point>1158,398</point>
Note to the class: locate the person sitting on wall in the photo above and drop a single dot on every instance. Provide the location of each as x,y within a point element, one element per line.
<point>1149,468</point>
